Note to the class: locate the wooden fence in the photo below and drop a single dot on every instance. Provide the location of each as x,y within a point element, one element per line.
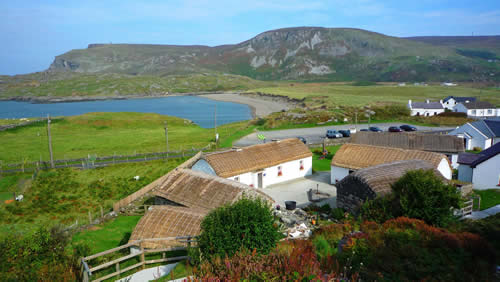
<point>98,161</point>
<point>88,271</point>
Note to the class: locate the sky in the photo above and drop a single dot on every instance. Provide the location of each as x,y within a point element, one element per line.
<point>33,32</point>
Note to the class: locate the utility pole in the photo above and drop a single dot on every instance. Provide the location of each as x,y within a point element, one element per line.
<point>215,127</point>
<point>166,135</point>
<point>50,142</point>
<point>356,122</point>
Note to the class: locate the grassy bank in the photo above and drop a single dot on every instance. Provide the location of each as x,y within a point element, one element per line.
<point>63,196</point>
<point>106,134</point>
<point>335,94</point>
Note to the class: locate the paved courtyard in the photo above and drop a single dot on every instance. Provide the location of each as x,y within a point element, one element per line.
<point>296,190</point>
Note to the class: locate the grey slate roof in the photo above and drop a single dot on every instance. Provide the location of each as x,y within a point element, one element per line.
<point>478,105</point>
<point>425,105</point>
<point>490,128</point>
<point>473,161</point>
<point>460,99</point>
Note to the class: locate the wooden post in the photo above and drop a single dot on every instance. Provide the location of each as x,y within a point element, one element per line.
<point>90,218</point>
<point>118,268</point>
<point>50,142</point>
<point>142,256</point>
<point>102,212</point>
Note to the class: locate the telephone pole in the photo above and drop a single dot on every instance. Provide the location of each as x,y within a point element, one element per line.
<point>50,142</point>
<point>215,127</point>
<point>166,136</point>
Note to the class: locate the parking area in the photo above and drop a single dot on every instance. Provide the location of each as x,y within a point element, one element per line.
<point>296,190</point>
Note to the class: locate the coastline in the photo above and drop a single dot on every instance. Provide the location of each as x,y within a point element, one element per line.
<point>260,104</point>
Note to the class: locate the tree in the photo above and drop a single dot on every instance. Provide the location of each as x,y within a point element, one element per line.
<point>418,194</point>
<point>246,224</point>
<point>423,195</point>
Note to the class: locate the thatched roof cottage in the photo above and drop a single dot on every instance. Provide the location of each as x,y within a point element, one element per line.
<point>352,157</point>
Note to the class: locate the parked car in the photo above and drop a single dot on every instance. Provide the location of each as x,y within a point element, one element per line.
<point>395,129</point>
<point>333,134</point>
<point>407,127</point>
<point>302,139</point>
<point>374,129</point>
<point>364,129</point>
<point>345,133</point>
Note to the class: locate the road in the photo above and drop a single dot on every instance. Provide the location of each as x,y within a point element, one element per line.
<point>315,135</point>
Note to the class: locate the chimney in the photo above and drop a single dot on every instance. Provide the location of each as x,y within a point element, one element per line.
<point>427,101</point>
<point>441,102</point>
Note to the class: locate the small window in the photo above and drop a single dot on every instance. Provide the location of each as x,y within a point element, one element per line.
<point>498,181</point>
<point>473,112</point>
<point>280,171</point>
<point>237,178</point>
<point>301,165</point>
<point>490,111</point>
<point>351,171</point>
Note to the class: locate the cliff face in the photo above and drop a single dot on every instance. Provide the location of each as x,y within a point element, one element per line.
<point>308,53</point>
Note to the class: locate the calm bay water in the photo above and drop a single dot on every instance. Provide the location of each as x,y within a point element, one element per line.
<point>199,110</point>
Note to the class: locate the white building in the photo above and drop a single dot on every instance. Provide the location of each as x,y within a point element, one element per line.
<point>451,101</point>
<point>426,108</point>
<point>477,109</point>
<point>482,169</point>
<point>351,157</point>
<point>482,133</point>
<point>260,165</point>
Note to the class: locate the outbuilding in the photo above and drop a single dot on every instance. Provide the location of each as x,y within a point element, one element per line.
<point>482,169</point>
<point>260,165</point>
<point>352,157</point>
<point>426,108</point>
<point>376,181</point>
<point>449,145</point>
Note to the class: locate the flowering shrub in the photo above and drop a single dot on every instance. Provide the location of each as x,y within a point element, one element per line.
<point>293,261</point>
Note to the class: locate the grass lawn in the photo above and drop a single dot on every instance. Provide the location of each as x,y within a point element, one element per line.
<point>106,134</point>
<point>66,195</point>
<point>108,235</point>
<point>325,163</point>
<point>348,95</point>
<point>489,198</point>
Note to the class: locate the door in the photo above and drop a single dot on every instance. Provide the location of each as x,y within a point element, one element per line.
<point>259,179</point>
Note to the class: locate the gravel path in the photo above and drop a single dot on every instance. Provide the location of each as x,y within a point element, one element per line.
<point>260,107</point>
<point>315,135</point>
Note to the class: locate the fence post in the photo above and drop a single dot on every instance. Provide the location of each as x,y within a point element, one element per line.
<point>142,255</point>
<point>118,268</point>
<point>90,218</point>
<point>102,212</point>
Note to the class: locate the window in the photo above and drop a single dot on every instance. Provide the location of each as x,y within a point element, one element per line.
<point>301,165</point>
<point>237,178</point>
<point>490,111</point>
<point>473,112</point>
<point>498,181</point>
<point>280,171</point>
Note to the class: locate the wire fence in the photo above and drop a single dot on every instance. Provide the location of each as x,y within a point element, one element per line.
<point>92,161</point>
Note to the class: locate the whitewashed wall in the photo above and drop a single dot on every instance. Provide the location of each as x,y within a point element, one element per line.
<point>426,112</point>
<point>450,104</point>
<point>486,175</point>
<point>454,159</point>
<point>290,170</point>
<point>337,174</point>
<point>445,169</point>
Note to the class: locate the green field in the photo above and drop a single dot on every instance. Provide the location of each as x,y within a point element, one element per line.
<point>63,196</point>
<point>489,198</point>
<point>107,134</point>
<point>340,94</point>
<point>108,235</point>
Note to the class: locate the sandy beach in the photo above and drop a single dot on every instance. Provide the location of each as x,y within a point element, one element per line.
<point>260,106</point>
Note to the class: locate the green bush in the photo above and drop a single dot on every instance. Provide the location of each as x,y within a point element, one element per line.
<point>246,224</point>
<point>337,213</point>
<point>417,194</point>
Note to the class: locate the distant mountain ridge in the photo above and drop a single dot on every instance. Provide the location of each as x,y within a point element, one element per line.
<point>303,53</point>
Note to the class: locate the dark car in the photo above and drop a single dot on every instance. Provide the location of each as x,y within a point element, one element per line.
<point>345,133</point>
<point>364,129</point>
<point>333,134</point>
<point>302,139</point>
<point>395,129</point>
<point>374,129</point>
<point>407,127</point>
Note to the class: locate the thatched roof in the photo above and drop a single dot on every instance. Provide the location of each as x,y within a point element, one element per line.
<point>355,156</point>
<point>199,190</point>
<point>199,193</point>
<point>252,158</point>
<point>380,178</point>
<point>167,221</point>
<point>411,141</point>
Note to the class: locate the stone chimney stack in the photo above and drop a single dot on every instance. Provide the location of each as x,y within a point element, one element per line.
<point>427,101</point>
